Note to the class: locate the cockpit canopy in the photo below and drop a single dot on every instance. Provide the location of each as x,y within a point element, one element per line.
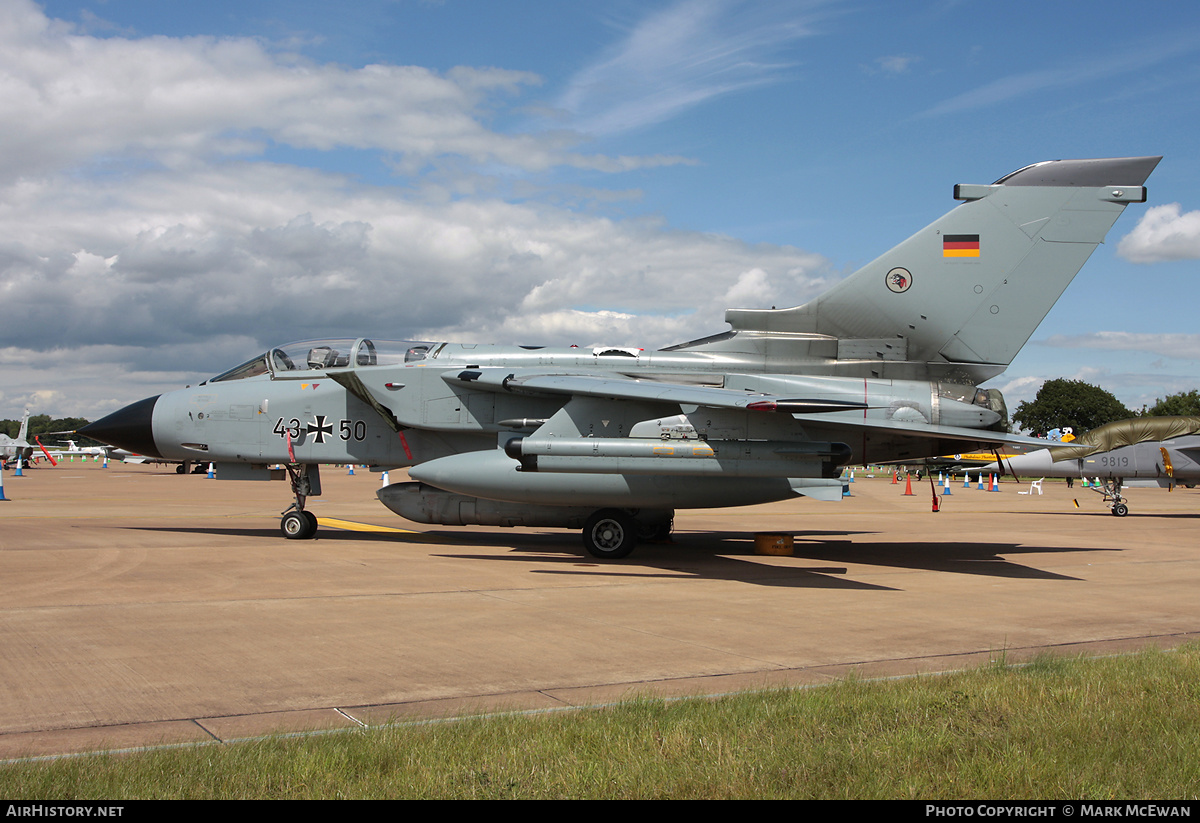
<point>337,353</point>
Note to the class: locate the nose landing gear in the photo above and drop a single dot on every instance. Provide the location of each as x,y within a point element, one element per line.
<point>298,524</point>
<point>1111,489</point>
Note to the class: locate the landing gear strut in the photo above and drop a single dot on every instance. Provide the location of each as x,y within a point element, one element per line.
<point>1111,489</point>
<point>298,524</point>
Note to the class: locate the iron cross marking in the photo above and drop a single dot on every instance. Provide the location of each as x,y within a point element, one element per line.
<point>320,429</point>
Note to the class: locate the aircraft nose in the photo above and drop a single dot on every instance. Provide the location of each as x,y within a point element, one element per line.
<point>128,428</point>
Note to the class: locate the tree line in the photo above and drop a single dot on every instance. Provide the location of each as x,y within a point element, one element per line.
<point>41,424</point>
<point>1083,407</point>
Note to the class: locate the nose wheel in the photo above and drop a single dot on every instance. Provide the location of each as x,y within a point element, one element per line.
<point>298,524</point>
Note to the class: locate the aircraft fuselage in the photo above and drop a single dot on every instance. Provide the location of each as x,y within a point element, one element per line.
<point>460,398</point>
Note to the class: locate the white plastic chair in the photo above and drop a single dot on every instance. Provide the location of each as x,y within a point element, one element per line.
<point>1036,484</point>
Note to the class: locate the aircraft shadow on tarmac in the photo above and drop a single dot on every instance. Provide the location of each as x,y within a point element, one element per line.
<point>712,555</point>
<point>962,557</point>
<point>730,556</point>
<point>708,558</point>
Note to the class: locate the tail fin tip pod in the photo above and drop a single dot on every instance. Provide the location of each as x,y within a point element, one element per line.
<point>972,287</point>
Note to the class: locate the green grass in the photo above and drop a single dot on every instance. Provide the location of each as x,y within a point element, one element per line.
<point>1059,728</point>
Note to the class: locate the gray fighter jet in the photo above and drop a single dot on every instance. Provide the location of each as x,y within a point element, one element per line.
<point>1151,451</point>
<point>885,366</point>
<point>19,447</point>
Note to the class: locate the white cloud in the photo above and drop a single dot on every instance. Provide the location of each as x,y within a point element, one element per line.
<point>1180,346</point>
<point>69,98</point>
<point>1136,57</point>
<point>679,57</point>
<point>1163,234</point>
<point>893,64</point>
<point>261,244</point>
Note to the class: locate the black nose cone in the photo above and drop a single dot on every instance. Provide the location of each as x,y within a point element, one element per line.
<point>130,428</point>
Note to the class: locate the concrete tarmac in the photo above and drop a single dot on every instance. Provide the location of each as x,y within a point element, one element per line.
<point>141,607</point>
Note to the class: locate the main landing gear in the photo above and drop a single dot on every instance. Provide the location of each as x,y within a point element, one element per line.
<point>611,534</point>
<point>298,524</point>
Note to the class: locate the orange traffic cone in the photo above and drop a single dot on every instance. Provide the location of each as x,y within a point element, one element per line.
<point>908,486</point>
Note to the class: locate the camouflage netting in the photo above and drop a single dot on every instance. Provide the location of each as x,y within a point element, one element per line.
<point>1126,433</point>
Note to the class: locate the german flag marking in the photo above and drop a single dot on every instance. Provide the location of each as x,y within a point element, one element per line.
<point>960,245</point>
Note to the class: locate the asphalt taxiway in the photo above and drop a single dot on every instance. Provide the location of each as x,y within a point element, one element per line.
<point>141,607</point>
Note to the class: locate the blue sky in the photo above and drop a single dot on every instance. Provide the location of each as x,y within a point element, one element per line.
<point>186,184</point>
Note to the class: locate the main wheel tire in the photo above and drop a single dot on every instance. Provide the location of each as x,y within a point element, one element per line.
<point>610,534</point>
<point>298,525</point>
<point>1120,510</point>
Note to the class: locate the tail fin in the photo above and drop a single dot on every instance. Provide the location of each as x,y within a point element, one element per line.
<point>23,434</point>
<point>972,287</point>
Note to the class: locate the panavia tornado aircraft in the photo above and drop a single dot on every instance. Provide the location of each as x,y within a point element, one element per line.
<point>885,366</point>
<point>1152,451</point>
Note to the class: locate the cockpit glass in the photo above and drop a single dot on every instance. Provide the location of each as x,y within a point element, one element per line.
<point>251,368</point>
<point>333,354</point>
